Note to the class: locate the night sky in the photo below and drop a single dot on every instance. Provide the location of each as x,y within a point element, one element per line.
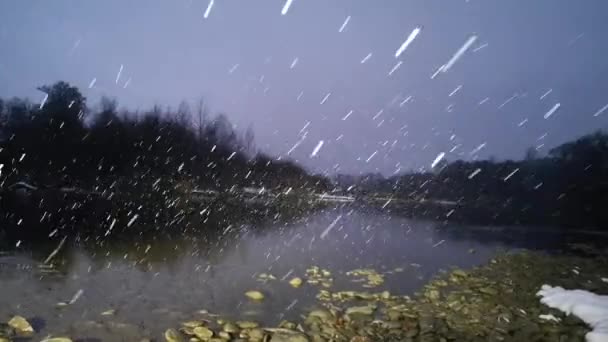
<point>275,71</point>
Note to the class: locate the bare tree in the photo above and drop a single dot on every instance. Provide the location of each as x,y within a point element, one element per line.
<point>531,154</point>
<point>202,114</point>
<point>248,140</point>
<point>183,114</point>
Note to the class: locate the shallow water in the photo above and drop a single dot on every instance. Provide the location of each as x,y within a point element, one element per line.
<point>157,282</point>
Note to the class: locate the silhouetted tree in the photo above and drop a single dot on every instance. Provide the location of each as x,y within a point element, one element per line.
<point>50,144</point>
<point>531,154</point>
<point>248,140</point>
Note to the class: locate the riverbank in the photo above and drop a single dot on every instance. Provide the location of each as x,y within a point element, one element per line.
<point>488,212</point>
<point>493,302</point>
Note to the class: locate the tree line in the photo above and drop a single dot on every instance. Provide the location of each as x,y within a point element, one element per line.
<point>63,142</point>
<point>566,187</point>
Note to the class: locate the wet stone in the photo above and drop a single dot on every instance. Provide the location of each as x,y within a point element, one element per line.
<point>203,333</point>
<point>255,295</point>
<point>230,328</point>
<point>256,334</point>
<point>172,335</point>
<point>21,326</point>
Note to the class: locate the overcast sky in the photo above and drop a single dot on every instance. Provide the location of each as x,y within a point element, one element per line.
<point>240,60</point>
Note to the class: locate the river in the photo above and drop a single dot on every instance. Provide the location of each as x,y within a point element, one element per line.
<point>146,285</point>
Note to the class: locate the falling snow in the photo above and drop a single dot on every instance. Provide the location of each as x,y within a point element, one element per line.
<point>478,148</point>
<point>511,174</point>
<point>484,101</point>
<point>440,69</point>
<point>132,220</point>
<point>474,173</point>
<point>395,68</point>
<point>286,7</point>
<point>330,227</point>
<point>545,94</point>
<point>316,149</point>
<point>347,115</point>
<point>325,98</point>
<point>455,91</point>
<point>437,159</point>
<point>459,53</point>
<point>371,156</point>
<point>233,69</point>
<point>601,110</point>
<point>378,114</point>
<point>208,10</point>
<point>480,47</point>
<point>344,24</point>
<point>408,41</point>
<point>366,58</point>
<point>119,73</point>
<point>552,111</point>
<point>43,102</point>
<point>507,101</point>
<point>294,63</point>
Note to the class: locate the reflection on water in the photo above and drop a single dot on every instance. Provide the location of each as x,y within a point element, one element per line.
<point>155,283</point>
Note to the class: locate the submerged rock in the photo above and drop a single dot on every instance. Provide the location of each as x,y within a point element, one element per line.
<point>230,328</point>
<point>203,333</point>
<point>172,335</point>
<point>110,312</point>
<point>295,282</point>
<point>255,295</point>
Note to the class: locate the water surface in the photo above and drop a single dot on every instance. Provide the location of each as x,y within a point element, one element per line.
<point>156,282</point>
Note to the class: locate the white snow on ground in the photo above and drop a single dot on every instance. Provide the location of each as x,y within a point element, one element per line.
<point>588,306</point>
<point>549,317</point>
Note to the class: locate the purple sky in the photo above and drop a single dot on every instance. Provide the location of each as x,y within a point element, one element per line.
<point>170,52</point>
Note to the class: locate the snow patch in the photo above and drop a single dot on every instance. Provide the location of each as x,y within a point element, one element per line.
<point>588,306</point>
<point>549,317</point>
